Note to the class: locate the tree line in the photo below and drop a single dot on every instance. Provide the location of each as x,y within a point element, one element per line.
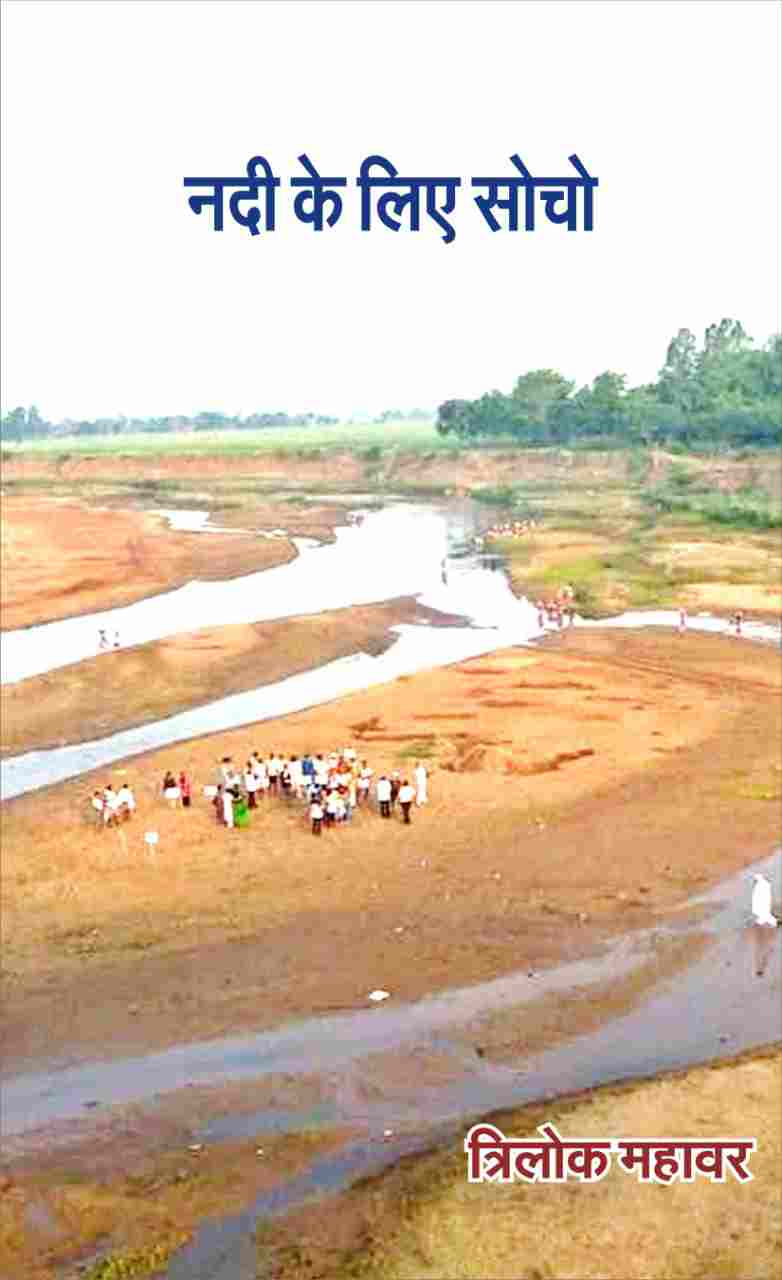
<point>27,424</point>
<point>725,392</point>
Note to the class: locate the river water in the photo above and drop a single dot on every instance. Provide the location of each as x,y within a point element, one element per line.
<point>402,550</point>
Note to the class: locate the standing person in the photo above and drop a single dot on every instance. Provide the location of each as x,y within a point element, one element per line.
<point>103,640</point>
<point>396,783</point>
<point>170,789</point>
<point>331,808</point>
<point>251,785</point>
<point>682,621</point>
<point>296,772</point>
<point>273,767</point>
<point>185,789</point>
<point>217,802</point>
<point>383,791</point>
<point>364,780</point>
<point>116,640</point>
<point>307,770</point>
<point>109,806</point>
<point>126,801</point>
<point>406,798</point>
<point>738,619</point>
<point>226,769</point>
<point>97,804</point>
<point>420,783</point>
<point>316,817</point>
<point>241,810</point>
<point>321,770</point>
<point>228,807</point>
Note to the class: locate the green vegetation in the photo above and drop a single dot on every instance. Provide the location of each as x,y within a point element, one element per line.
<point>306,442</point>
<point>727,394</point>
<point>134,1263</point>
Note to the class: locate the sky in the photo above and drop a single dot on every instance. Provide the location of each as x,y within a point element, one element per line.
<point>117,298</point>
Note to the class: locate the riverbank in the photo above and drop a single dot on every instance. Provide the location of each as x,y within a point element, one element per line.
<point>575,791</point>
<point>65,557</point>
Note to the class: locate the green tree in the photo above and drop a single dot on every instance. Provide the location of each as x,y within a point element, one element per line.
<point>535,392</point>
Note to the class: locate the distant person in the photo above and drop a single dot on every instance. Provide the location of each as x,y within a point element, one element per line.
<point>364,780</point>
<point>396,783</point>
<point>116,640</point>
<point>682,621</point>
<point>316,817</point>
<point>217,802</point>
<point>406,798</point>
<point>97,805</point>
<point>251,785</point>
<point>109,806</point>
<point>171,791</point>
<point>241,810</point>
<point>103,640</point>
<point>383,791</point>
<point>126,802</point>
<point>228,807</point>
<point>185,789</point>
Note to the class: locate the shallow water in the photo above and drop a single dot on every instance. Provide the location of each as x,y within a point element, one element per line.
<point>395,552</point>
<point>419,539</point>
<point>733,1003</point>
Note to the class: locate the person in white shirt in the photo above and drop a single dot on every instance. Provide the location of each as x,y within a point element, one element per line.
<point>228,807</point>
<point>383,792</point>
<point>316,816</point>
<point>296,776</point>
<point>126,801</point>
<point>251,785</point>
<point>110,806</point>
<point>97,804</point>
<point>420,783</point>
<point>364,780</point>
<point>406,798</point>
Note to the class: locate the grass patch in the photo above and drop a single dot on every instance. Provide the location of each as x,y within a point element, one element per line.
<point>418,750</point>
<point>424,1221</point>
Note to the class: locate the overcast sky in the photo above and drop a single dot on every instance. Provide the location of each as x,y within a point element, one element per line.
<point>118,299</point>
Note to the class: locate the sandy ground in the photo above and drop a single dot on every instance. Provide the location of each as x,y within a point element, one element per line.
<point>61,558</point>
<point>422,1221</point>
<point>116,690</point>
<point>575,792</point>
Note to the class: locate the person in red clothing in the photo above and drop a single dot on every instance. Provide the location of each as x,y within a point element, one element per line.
<point>185,789</point>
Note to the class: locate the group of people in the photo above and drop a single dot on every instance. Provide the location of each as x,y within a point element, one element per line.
<point>560,611</point>
<point>331,787</point>
<point>113,807</point>
<point>104,643</point>
<point>177,790</point>
<point>511,529</point>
